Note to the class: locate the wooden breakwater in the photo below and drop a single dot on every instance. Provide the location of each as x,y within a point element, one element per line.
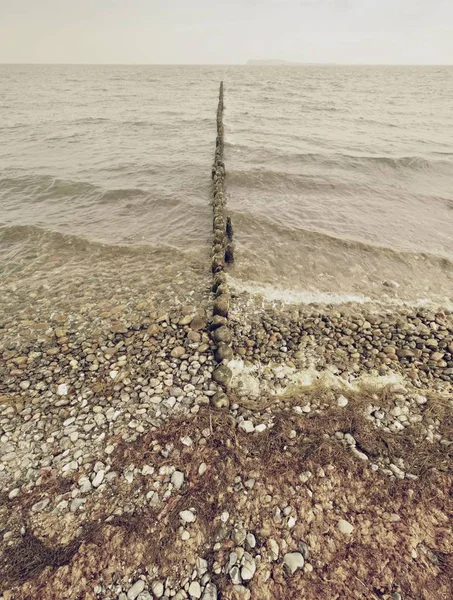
<point>221,256</point>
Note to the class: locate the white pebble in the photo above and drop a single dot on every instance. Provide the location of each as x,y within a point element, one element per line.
<point>359,454</point>
<point>98,479</point>
<point>157,589</point>
<point>195,590</point>
<point>342,401</point>
<point>136,589</point>
<point>177,479</point>
<point>293,561</point>
<point>345,527</point>
<point>62,389</point>
<point>247,426</point>
<point>187,516</point>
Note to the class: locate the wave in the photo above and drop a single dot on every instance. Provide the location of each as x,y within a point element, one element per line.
<point>260,177</point>
<point>41,188</point>
<point>414,163</point>
<point>272,293</point>
<point>265,228</point>
<point>48,240</point>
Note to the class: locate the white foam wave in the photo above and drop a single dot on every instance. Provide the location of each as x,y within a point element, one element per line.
<point>270,293</point>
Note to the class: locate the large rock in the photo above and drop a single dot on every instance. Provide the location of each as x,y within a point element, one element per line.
<point>220,400</point>
<point>223,334</point>
<point>222,289</point>
<point>219,278</point>
<point>223,352</point>
<point>219,238</point>
<point>222,305</point>
<point>222,375</point>
<point>217,249</point>
<point>219,223</point>
<point>217,321</point>
<point>217,263</point>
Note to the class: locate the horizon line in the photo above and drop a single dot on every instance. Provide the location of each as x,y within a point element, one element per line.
<point>244,64</point>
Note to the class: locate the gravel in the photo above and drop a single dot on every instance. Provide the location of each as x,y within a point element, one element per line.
<point>74,404</point>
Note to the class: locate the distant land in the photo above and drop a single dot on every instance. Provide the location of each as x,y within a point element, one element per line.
<point>277,62</point>
<point>273,62</point>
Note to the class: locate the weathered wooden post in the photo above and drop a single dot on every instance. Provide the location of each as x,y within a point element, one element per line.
<point>222,252</point>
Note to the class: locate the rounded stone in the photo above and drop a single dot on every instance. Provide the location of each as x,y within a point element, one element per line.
<point>222,304</point>
<point>223,352</point>
<point>197,323</point>
<point>178,352</point>
<point>219,278</point>
<point>219,222</point>
<point>195,590</point>
<point>187,516</point>
<point>99,478</point>
<point>222,375</point>
<point>248,567</point>
<point>222,289</point>
<point>157,589</point>
<point>342,401</point>
<point>219,238</point>
<point>136,589</point>
<point>220,400</point>
<point>217,321</point>
<point>217,262</point>
<point>223,334</point>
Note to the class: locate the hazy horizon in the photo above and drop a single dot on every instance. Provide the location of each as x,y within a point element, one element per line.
<point>244,64</point>
<point>154,32</point>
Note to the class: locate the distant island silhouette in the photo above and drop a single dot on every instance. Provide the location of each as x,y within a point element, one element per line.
<point>273,62</point>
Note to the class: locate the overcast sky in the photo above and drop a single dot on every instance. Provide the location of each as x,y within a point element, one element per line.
<point>231,32</point>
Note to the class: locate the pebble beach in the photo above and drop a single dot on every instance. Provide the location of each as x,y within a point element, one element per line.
<point>123,477</point>
<point>169,432</point>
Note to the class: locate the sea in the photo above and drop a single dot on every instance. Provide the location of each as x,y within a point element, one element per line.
<point>339,181</point>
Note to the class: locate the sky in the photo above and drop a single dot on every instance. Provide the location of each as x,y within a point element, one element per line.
<point>228,32</point>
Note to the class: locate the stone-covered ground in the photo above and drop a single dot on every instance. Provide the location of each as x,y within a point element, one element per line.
<point>119,480</point>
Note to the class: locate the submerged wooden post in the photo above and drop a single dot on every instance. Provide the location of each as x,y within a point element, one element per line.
<point>222,253</point>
